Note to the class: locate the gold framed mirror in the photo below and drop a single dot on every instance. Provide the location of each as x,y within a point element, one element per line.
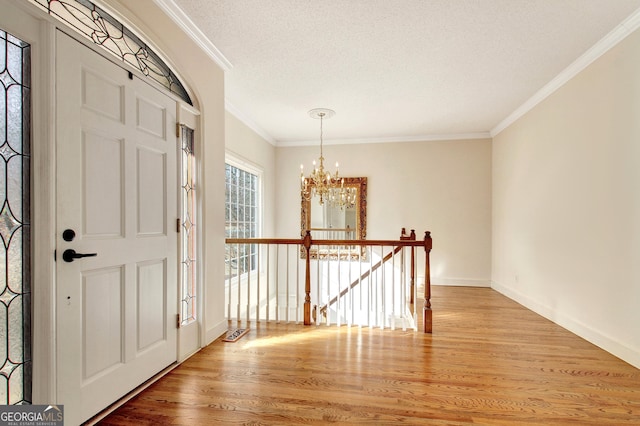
<point>329,222</point>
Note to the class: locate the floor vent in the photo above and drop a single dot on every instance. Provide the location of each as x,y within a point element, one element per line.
<point>235,335</point>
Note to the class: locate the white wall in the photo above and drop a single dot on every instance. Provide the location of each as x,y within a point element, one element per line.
<point>566,204</point>
<point>440,186</point>
<point>244,143</point>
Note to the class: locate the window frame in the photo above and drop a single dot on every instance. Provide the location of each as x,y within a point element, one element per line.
<point>240,163</point>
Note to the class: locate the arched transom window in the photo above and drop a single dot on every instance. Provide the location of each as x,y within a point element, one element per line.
<point>103,29</point>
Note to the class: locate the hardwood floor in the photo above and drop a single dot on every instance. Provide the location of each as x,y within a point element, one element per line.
<point>489,361</point>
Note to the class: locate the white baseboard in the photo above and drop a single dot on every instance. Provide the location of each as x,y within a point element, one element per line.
<point>216,331</point>
<point>614,347</point>
<point>460,282</point>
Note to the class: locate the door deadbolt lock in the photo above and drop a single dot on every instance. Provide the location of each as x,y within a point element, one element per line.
<point>68,234</point>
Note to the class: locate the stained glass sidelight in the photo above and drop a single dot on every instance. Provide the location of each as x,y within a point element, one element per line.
<point>188,182</point>
<point>15,259</point>
<point>105,30</point>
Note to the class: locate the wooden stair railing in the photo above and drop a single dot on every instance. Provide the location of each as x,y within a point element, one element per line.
<point>323,309</point>
<point>427,314</point>
<point>412,236</point>
<point>366,274</point>
<point>405,241</point>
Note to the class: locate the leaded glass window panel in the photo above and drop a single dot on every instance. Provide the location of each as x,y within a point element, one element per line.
<point>189,246</point>
<point>105,30</point>
<point>15,259</point>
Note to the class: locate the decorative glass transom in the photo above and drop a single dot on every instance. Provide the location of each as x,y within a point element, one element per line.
<point>15,229</point>
<point>105,30</point>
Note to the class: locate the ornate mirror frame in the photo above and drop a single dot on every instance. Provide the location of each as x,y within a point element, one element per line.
<point>361,205</point>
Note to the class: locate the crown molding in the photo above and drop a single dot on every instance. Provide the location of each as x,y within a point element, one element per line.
<point>614,37</point>
<point>392,139</point>
<point>247,121</point>
<point>178,16</point>
<point>231,109</point>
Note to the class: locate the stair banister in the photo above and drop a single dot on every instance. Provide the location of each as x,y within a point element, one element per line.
<point>307,279</point>
<point>427,314</point>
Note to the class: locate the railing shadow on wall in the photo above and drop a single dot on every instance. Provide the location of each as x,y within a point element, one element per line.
<point>267,280</point>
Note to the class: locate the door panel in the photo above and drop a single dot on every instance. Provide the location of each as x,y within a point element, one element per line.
<point>103,96</point>
<point>151,117</point>
<point>102,320</point>
<point>152,213</point>
<point>151,308</point>
<point>103,192</point>
<point>116,187</point>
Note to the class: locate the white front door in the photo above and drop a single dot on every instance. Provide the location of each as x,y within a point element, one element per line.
<point>116,189</point>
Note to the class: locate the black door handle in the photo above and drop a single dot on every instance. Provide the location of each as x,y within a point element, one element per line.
<point>70,254</point>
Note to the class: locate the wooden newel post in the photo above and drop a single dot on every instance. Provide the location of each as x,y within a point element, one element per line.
<point>412,237</point>
<point>307,279</point>
<point>427,319</point>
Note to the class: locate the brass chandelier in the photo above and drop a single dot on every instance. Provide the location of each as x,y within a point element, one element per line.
<point>321,182</point>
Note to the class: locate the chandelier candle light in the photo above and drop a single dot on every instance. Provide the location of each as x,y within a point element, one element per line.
<point>320,182</point>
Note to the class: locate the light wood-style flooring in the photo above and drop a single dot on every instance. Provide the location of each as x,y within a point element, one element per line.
<point>489,361</point>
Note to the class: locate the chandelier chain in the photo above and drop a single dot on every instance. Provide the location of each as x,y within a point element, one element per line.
<point>321,119</point>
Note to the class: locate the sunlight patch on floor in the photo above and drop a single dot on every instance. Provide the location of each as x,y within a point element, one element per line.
<point>287,339</point>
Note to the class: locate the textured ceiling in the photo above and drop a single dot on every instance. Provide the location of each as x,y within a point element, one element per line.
<point>394,69</point>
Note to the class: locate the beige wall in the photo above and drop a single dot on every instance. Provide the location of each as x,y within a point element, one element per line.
<point>247,145</point>
<point>441,186</point>
<point>564,198</point>
<point>566,204</point>
<point>206,79</point>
